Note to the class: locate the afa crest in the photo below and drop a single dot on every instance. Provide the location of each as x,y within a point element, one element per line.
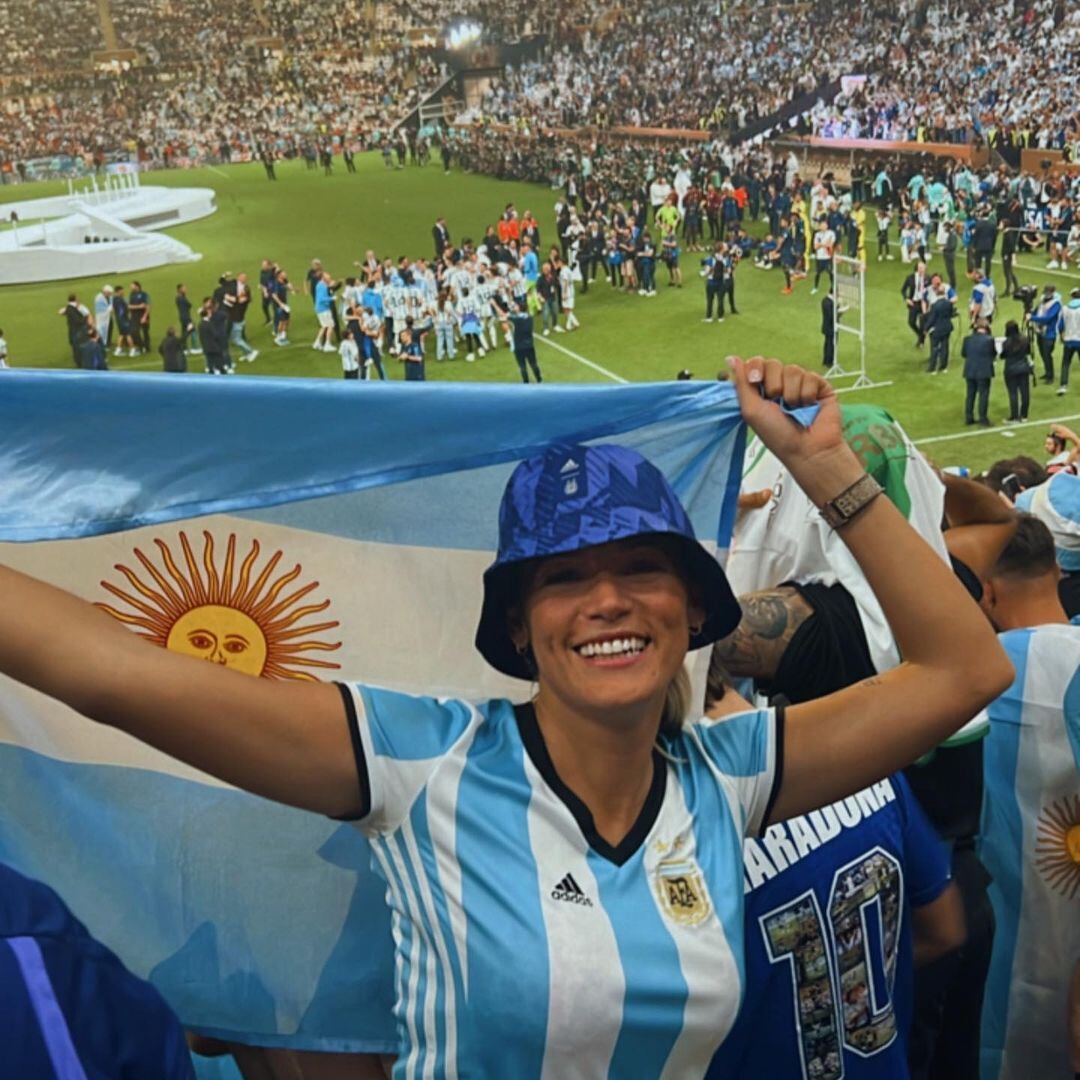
<point>681,890</point>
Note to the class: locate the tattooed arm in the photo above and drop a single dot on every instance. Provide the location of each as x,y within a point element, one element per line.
<point>770,619</point>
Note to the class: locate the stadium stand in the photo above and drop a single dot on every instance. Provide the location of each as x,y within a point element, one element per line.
<point>945,81</point>
<point>172,31</point>
<point>40,38</point>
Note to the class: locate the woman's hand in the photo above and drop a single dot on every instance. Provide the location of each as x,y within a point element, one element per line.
<point>816,456</point>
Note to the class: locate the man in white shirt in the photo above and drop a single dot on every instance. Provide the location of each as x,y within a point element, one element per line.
<point>824,244</point>
<point>659,190</point>
<point>566,288</point>
<point>103,310</point>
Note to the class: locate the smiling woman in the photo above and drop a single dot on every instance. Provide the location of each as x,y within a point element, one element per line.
<point>568,869</point>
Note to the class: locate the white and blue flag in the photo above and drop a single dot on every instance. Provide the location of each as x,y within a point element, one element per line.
<point>1031,845</point>
<point>291,529</point>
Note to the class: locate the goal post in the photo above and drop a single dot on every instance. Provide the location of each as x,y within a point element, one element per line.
<point>849,323</point>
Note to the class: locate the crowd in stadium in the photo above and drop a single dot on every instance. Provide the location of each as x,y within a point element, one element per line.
<point>43,40</point>
<point>681,67</point>
<point>928,74</point>
<point>948,80</point>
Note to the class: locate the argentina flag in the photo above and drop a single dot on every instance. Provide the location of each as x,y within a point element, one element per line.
<point>1031,845</point>
<point>289,529</point>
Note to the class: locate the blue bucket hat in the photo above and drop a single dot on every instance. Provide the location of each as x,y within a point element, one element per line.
<point>574,497</point>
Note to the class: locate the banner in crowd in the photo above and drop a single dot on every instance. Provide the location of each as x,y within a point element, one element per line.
<point>290,529</point>
<point>1030,843</point>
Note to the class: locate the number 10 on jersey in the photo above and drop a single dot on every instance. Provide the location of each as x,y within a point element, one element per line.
<point>842,965</point>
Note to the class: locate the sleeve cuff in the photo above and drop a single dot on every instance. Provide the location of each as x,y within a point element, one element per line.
<point>778,769</point>
<point>362,777</point>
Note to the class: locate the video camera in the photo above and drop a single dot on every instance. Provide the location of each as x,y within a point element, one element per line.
<point>1026,294</point>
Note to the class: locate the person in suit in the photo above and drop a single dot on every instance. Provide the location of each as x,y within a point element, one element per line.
<point>172,351</point>
<point>79,322</point>
<point>441,235</point>
<point>983,241</point>
<point>214,338</point>
<point>949,249</point>
<point>828,330</point>
<point>591,253</point>
<point>938,323</point>
<point>914,293</point>
<point>979,353</point>
<point>92,352</point>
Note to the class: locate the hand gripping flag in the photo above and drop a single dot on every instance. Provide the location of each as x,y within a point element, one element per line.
<point>290,529</point>
<point>1030,843</point>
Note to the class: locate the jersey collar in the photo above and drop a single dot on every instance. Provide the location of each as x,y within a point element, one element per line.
<point>536,748</point>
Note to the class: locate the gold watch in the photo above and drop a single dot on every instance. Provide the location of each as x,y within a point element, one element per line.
<point>839,511</point>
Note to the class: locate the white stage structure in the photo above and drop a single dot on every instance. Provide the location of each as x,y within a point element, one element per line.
<point>99,230</point>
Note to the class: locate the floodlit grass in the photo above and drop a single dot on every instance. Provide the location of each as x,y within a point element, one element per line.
<point>337,218</point>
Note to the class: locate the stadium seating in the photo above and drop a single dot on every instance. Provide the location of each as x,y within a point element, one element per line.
<point>46,37</point>
<point>928,72</point>
<point>949,79</point>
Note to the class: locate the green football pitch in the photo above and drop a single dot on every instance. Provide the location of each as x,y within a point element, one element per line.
<point>306,215</point>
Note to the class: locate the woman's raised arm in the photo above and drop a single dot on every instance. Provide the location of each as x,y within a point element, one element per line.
<point>287,741</point>
<point>952,663</point>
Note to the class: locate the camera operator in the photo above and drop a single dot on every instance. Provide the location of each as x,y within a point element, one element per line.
<point>1046,319</point>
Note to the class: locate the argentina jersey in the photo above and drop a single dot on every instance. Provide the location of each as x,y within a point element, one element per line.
<point>828,943</point>
<point>528,946</point>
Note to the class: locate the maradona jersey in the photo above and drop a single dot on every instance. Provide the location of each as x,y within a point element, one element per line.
<point>828,941</point>
<point>526,945</point>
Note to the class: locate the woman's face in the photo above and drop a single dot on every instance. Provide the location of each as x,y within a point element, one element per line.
<point>608,626</point>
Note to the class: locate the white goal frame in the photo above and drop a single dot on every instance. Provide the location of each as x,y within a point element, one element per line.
<point>849,298</point>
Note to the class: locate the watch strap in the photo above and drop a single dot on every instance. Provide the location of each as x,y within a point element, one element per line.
<point>839,511</point>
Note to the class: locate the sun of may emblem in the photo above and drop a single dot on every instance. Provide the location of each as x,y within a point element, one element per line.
<point>247,618</point>
<point>1057,845</point>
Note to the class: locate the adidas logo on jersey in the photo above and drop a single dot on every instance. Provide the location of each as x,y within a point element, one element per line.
<point>568,889</point>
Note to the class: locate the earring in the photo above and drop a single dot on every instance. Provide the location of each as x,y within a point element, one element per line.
<point>522,650</point>
<point>696,629</point>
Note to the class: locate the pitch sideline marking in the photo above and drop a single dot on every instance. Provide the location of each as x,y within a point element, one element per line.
<point>582,360</point>
<point>1043,270</point>
<point>1003,430</point>
<point>218,172</point>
